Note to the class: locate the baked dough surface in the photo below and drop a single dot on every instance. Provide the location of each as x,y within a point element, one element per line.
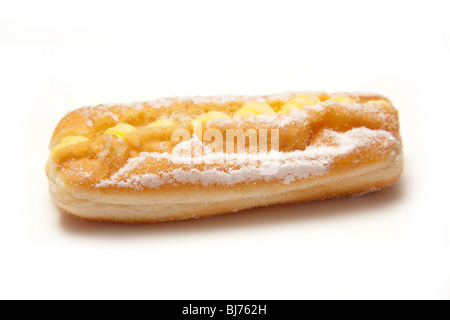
<point>346,143</point>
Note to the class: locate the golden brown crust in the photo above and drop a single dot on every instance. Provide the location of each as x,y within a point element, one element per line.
<point>140,165</point>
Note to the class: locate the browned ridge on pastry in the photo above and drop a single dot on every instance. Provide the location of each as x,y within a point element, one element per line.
<point>188,157</point>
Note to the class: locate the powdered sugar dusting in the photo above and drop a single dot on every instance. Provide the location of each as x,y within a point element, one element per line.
<point>224,99</point>
<point>90,113</point>
<point>248,168</point>
<point>221,99</point>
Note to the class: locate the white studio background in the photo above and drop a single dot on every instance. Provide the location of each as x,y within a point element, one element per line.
<point>56,56</point>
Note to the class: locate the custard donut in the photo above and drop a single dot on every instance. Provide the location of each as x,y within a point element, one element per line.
<point>190,157</point>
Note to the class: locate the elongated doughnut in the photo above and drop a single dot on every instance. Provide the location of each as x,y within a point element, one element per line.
<point>190,157</point>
